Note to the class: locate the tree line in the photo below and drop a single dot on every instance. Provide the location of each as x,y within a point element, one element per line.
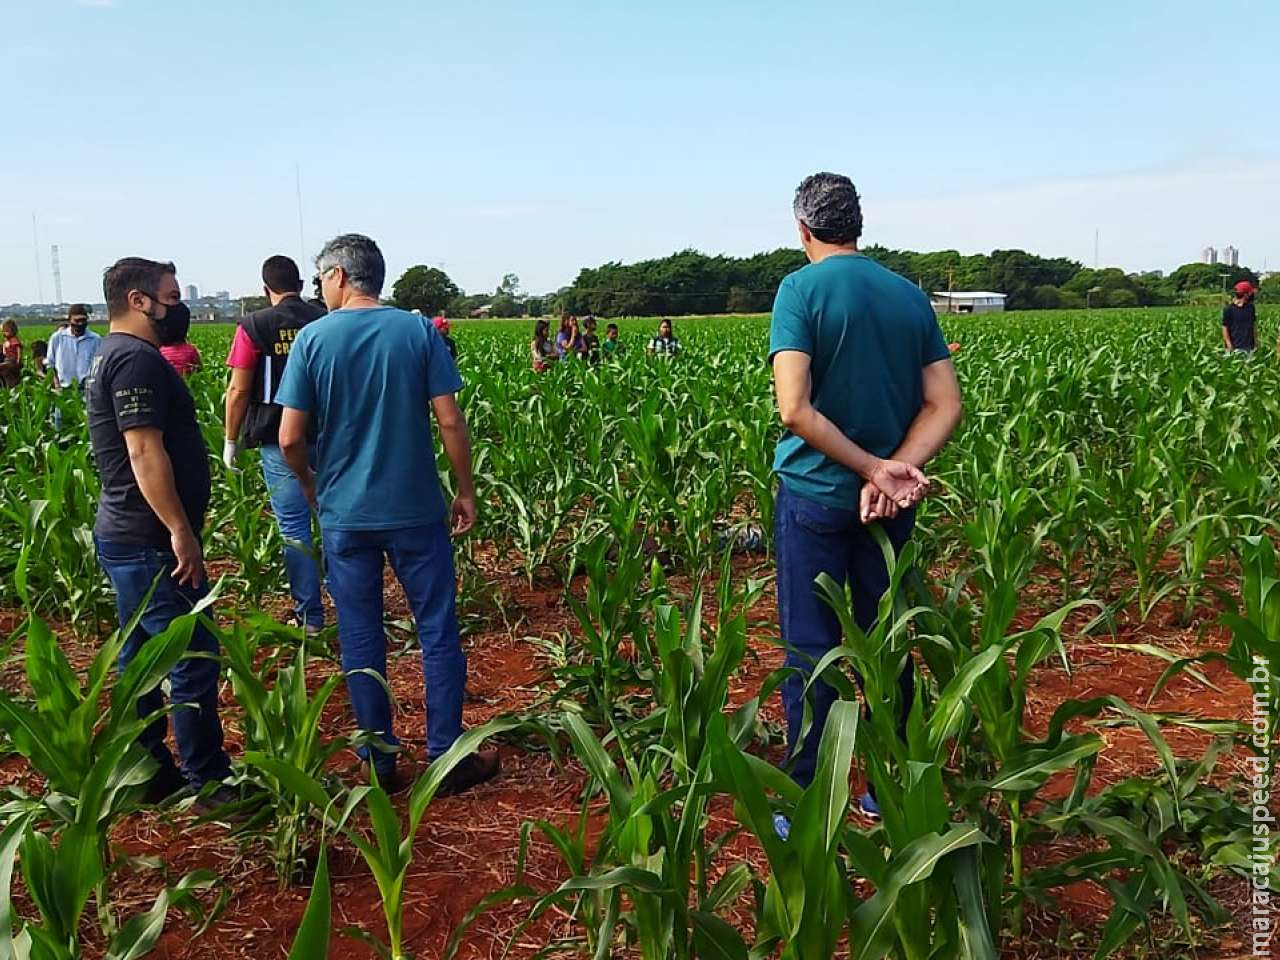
<point>691,283</point>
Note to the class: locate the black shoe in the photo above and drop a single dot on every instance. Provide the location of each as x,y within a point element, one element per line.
<point>391,781</point>
<point>211,800</point>
<point>472,771</point>
<point>167,784</point>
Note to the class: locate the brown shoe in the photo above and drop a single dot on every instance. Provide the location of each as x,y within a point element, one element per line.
<point>474,770</point>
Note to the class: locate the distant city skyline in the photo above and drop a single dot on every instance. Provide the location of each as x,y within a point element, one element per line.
<point>539,139</point>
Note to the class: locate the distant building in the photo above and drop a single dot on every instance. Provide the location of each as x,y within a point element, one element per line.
<point>192,293</point>
<point>1229,256</point>
<point>968,301</point>
<point>1208,255</point>
<point>223,297</point>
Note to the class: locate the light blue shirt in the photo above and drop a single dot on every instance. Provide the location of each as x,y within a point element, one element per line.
<point>71,356</point>
<point>367,379</point>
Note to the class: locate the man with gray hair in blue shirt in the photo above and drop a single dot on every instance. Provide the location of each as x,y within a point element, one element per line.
<point>370,376</point>
<point>868,395</point>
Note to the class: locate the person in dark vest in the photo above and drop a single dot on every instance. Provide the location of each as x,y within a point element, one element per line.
<point>257,361</point>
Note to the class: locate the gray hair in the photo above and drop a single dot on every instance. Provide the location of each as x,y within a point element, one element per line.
<point>828,204</point>
<point>359,258</point>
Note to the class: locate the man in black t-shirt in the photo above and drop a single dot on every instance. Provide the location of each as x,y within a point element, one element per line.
<point>154,468</point>
<point>1240,320</point>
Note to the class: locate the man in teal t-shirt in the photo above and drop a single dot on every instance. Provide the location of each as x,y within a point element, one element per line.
<point>371,376</point>
<point>868,395</point>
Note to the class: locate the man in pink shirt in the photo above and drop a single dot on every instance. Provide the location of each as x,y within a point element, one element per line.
<point>257,360</point>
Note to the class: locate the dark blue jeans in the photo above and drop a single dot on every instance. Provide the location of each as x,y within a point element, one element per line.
<point>811,538</point>
<point>194,681</point>
<point>293,514</point>
<point>422,558</point>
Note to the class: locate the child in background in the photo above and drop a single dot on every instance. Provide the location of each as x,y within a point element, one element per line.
<point>590,342</point>
<point>11,358</point>
<point>441,323</point>
<point>182,356</point>
<point>40,357</point>
<point>666,344</point>
<point>612,345</point>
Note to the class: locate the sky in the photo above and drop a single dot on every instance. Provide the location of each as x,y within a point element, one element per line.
<point>539,138</point>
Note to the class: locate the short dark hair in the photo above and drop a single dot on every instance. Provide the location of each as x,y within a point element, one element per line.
<point>40,348</point>
<point>280,274</point>
<point>828,204</point>
<point>612,326</point>
<point>132,273</point>
<point>79,310</point>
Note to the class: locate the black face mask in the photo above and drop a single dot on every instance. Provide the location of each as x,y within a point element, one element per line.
<point>173,326</point>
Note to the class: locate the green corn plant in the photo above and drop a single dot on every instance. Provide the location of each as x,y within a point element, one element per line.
<point>1253,655</point>
<point>606,669</point>
<point>242,529</point>
<point>1140,818</point>
<point>88,753</point>
<point>389,852</point>
<point>647,881</point>
<point>312,937</point>
<point>60,877</point>
<point>282,721</point>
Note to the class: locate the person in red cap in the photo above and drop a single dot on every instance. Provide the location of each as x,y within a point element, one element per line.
<point>1240,320</point>
<point>441,323</point>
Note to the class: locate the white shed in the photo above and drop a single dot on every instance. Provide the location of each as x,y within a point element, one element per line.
<point>968,301</point>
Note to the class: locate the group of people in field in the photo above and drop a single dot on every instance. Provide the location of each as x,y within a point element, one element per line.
<point>66,357</point>
<point>579,341</point>
<point>338,393</point>
<point>338,398</point>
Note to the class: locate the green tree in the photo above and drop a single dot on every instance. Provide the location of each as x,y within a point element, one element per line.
<point>463,305</point>
<point>509,287</point>
<point>424,288</point>
<point>504,305</point>
<point>1269,289</point>
<point>1191,277</point>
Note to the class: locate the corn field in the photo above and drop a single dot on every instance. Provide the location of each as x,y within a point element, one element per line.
<point>1116,480</point>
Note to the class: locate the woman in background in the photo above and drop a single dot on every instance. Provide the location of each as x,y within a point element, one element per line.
<point>569,340</point>
<point>182,356</point>
<point>542,350</point>
<point>11,357</point>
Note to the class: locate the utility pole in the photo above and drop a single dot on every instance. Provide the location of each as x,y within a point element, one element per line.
<point>1224,284</point>
<point>951,283</point>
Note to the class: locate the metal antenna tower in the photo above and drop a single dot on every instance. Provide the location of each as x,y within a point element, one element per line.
<point>57,273</point>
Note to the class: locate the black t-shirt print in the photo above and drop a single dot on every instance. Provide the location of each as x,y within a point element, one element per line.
<point>1241,323</point>
<point>131,385</point>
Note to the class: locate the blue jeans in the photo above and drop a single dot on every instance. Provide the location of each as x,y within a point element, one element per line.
<point>811,538</point>
<point>132,569</point>
<point>293,514</point>
<point>422,558</point>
